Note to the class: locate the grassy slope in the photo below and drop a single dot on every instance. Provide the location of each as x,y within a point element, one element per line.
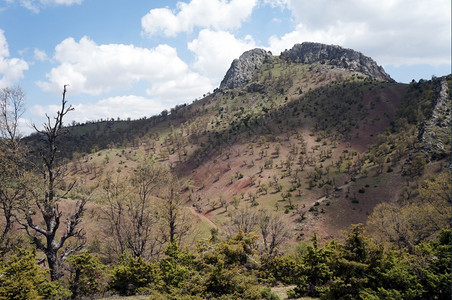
<point>226,145</point>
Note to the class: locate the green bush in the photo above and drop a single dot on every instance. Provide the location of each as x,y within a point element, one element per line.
<point>267,294</point>
<point>176,267</point>
<point>132,274</point>
<point>22,278</point>
<point>88,275</point>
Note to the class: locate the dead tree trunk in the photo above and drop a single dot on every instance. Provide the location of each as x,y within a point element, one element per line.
<point>45,229</point>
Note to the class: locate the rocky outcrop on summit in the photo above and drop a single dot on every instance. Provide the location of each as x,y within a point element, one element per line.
<point>243,68</point>
<point>307,53</point>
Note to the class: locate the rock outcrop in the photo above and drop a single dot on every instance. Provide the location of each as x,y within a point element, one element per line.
<point>243,68</point>
<point>307,53</point>
<point>434,133</point>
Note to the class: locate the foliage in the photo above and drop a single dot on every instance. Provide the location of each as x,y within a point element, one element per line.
<point>419,218</point>
<point>315,270</point>
<point>176,267</point>
<point>359,268</point>
<point>88,276</point>
<point>22,278</point>
<point>225,268</point>
<point>132,275</point>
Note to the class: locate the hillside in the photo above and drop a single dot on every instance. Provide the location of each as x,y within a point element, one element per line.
<point>319,135</point>
<point>311,173</point>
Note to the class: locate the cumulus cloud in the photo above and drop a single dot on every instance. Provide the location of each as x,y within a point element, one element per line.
<point>97,69</point>
<point>216,14</point>
<point>391,31</point>
<point>183,89</point>
<point>337,35</point>
<point>215,50</point>
<point>124,107</point>
<point>11,69</point>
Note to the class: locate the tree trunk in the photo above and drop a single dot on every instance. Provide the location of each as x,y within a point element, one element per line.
<point>54,267</point>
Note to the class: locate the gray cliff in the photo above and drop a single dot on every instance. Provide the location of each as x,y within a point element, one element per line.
<point>435,133</point>
<point>243,68</point>
<point>307,53</point>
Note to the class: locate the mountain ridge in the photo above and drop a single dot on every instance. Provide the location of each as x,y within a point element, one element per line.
<point>242,69</point>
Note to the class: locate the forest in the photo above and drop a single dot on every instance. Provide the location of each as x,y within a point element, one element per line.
<point>310,182</point>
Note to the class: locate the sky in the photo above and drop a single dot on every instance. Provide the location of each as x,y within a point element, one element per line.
<point>131,59</point>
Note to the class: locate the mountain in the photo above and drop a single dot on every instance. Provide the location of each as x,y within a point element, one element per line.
<point>319,135</point>
<point>309,172</point>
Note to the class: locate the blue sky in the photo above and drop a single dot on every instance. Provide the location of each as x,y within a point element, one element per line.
<point>136,58</point>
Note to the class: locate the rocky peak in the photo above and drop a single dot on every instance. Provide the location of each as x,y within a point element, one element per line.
<point>307,53</point>
<point>243,68</point>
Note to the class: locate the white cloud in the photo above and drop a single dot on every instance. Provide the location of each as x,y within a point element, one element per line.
<point>215,50</point>
<point>61,2</point>
<point>4,51</point>
<point>37,5</point>
<point>276,3</point>
<point>97,69</point>
<point>28,4</point>
<point>216,14</point>
<point>337,35</point>
<point>391,31</point>
<point>122,106</point>
<point>183,89</point>
<point>40,55</point>
<point>25,127</point>
<point>11,69</point>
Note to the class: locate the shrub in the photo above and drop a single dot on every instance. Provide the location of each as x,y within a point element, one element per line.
<point>267,293</point>
<point>175,268</point>
<point>87,274</point>
<point>132,274</point>
<point>22,278</point>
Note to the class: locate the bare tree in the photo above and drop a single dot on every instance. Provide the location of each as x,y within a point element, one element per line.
<point>175,221</point>
<point>12,107</point>
<point>131,209</point>
<point>273,229</point>
<point>47,234</point>
<point>115,211</point>
<point>242,220</point>
<point>12,177</point>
